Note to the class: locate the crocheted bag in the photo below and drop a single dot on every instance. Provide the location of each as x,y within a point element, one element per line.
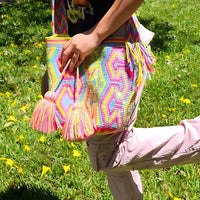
<point>109,77</point>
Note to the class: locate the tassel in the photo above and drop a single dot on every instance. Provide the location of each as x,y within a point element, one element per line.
<point>44,115</point>
<point>43,118</point>
<point>79,124</point>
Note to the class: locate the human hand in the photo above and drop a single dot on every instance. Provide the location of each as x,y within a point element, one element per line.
<point>77,48</point>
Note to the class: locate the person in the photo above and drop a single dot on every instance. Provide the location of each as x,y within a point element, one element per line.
<point>121,154</point>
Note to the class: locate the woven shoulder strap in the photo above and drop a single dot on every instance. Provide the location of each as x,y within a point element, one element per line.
<point>60,22</point>
<point>59,17</point>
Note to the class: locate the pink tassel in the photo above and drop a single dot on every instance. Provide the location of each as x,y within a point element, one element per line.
<point>44,117</point>
<point>79,124</point>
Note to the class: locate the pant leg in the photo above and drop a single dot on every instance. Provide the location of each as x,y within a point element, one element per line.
<point>153,148</point>
<point>125,185</point>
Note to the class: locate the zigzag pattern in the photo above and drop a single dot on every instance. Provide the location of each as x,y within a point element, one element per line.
<point>110,77</point>
<point>60,17</point>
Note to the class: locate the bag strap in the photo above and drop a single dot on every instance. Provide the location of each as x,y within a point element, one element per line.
<point>60,24</point>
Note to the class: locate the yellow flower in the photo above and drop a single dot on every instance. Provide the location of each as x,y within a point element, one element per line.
<point>61,139</point>
<point>44,170</point>
<point>68,197</point>
<point>167,57</point>
<point>194,85</point>
<point>14,102</point>
<point>66,168</point>
<point>173,6</point>
<point>3,159</point>
<point>20,139</point>
<point>186,51</point>
<point>24,107</point>
<point>173,197</point>
<point>10,162</point>
<point>39,45</point>
<point>37,58</point>
<point>40,96</point>
<point>7,94</point>
<point>72,144</point>
<point>27,148</point>
<point>76,153</point>
<point>187,101</point>
<point>171,109</point>
<point>34,66</point>
<point>42,139</point>
<point>29,89</point>
<point>20,170</point>
<point>12,119</point>
<point>164,116</point>
<point>27,51</point>
<point>26,119</point>
<point>6,16</point>
<point>12,45</point>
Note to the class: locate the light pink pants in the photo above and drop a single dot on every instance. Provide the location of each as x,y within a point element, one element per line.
<point>120,155</point>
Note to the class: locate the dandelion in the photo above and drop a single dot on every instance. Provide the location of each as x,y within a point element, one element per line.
<point>171,109</point>
<point>37,58</point>
<point>186,51</point>
<point>66,168</point>
<point>164,116</point>
<point>26,119</point>
<point>194,85</point>
<point>76,153</point>
<point>27,51</point>
<point>61,139</point>
<point>14,102</point>
<point>29,89</point>
<point>20,170</point>
<point>72,144</point>
<point>24,107</point>
<point>34,66</point>
<point>68,197</point>
<point>167,57</point>
<point>173,197</point>
<point>20,139</point>
<point>44,170</point>
<point>27,148</point>
<point>7,94</point>
<point>10,162</point>
<point>40,96</point>
<point>12,45</point>
<point>39,45</point>
<point>3,159</point>
<point>173,6</point>
<point>5,16</point>
<point>12,119</point>
<point>42,139</point>
<point>187,101</point>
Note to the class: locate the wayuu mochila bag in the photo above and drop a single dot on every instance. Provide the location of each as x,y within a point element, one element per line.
<point>100,96</point>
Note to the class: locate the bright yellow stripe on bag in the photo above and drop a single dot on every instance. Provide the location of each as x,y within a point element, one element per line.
<point>105,108</point>
<point>109,64</point>
<point>53,78</point>
<point>58,100</point>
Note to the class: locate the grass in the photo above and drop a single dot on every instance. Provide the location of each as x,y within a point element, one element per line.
<point>24,26</point>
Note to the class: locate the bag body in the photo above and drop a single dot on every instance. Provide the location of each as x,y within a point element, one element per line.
<point>110,78</point>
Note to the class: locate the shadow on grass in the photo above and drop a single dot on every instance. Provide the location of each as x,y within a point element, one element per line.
<point>25,193</point>
<point>164,33</point>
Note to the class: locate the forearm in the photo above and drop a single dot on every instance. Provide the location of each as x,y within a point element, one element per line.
<point>119,12</point>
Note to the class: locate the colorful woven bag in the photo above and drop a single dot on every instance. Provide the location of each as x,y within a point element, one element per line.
<point>109,78</point>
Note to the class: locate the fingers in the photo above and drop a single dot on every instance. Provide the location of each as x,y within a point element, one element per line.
<point>74,61</point>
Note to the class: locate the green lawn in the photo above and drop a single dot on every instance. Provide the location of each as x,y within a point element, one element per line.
<point>23,28</point>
